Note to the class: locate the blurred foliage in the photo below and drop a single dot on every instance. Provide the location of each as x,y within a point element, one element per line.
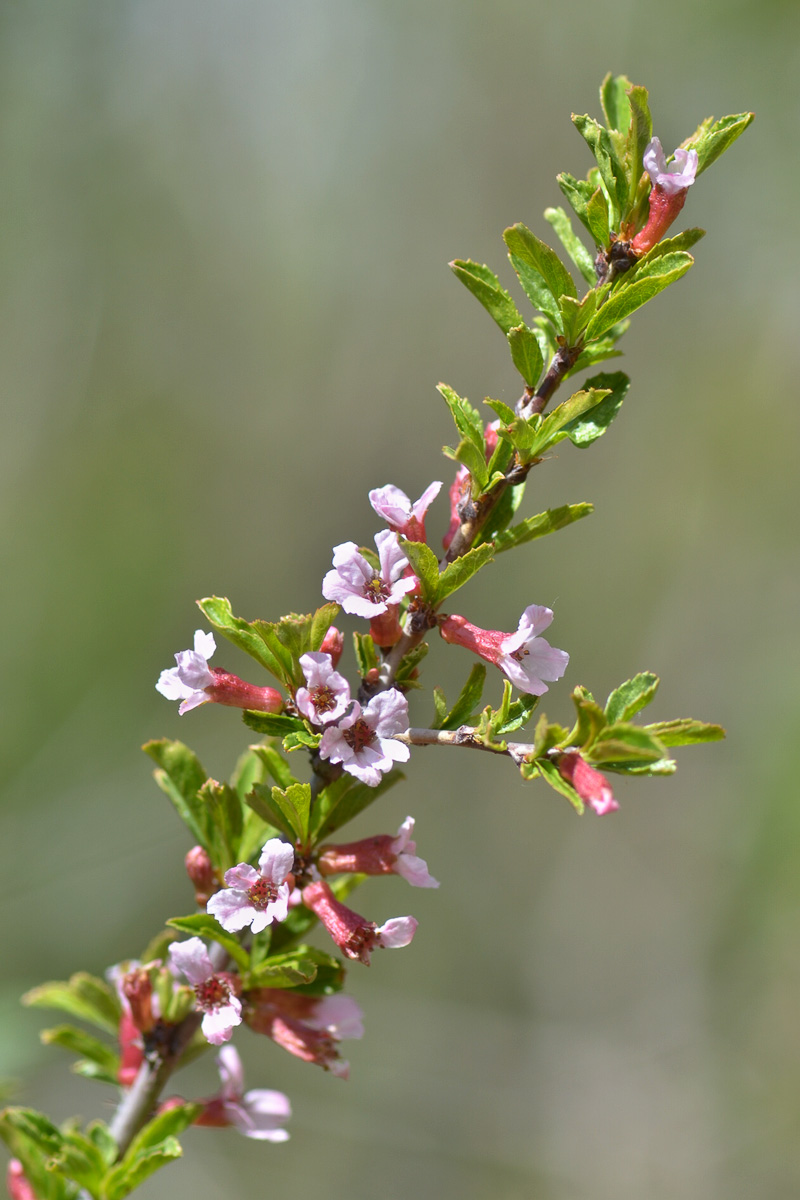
<point>217,220</point>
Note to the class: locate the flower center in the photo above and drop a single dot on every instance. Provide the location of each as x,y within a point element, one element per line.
<point>376,590</point>
<point>262,893</point>
<point>212,993</point>
<point>359,735</point>
<point>518,655</point>
<point>323,698</point>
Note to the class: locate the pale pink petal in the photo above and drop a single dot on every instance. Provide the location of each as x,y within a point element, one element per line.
<point>190,958</point>
<point>232,908</point>
<point>276,861</point>
<point>192,701</point>
<point>204,644</point>
<point>392,505</point>
<point>415,870</point>
<point>218,1024</point>
<point>426,499</point>
<point>397,932</point>
<point>403,839</point>
<point>242,876</point>
<point>339,1015</point>
<point>231,1073</point>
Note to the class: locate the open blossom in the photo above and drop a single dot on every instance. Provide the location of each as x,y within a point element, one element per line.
<point>214,994</point>
<point>380,855</point>
<point>668,192</point>
<point>327,694</point>
<point>310,1027</point>
<point>259,1113</point>
<point>361,590</point>
<point>364,742</point>
<point>399,513</point>
<point>193,682</point>
<point>524,657</point>
<point>590,784</point>
<point>353,934</point>
<point>255,897</point>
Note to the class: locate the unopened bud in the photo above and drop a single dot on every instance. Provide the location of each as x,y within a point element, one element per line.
<point>333,644</point>
<point>17,1182</point>
<point>590,784</point>
<point>202,874</point>
<point>137,988</point>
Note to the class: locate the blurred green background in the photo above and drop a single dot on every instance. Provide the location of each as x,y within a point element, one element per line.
<point>225,307</point>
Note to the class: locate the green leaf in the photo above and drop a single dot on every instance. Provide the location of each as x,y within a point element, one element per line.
<point>712,138</point>
<point>458,572</point>
<point>275,764</point>
<point>591,719</point>
<point>133,1170</point>
<point>243,634</point>
<point>302,740</point>
<point>83,996</point>
<point>181,776</point>
<point>621,742</point>
<point>366,654</point>
<point>408,665</point>
<point>203,925</point>
<point>539,295</point>
<point>288,970</point>
<point>225,813</point>
<point>684,731</point>
<point>665,270</point>
<point>639,134</point>
<point>261,802</point>
<point>578,193</point>
<point>425,566</point>
<point>632,696</point>
<point>526,354</point>
<point>289,808</point>
<point>485,287</point>
<point>294,635</point>
<point>598,217</point>
<point>80,1160</point>
<point>77,1041</point>
<point>467,702</point>
<point>471,450</point>
<point>552,776</point>
<point>551,429</point>
<point>543,523</point>
<point>515,714</point>
<point>525,245</point>
<point>33,1125</point>
<point>611,169</point>
<point>573,245</point>
<point>614,99</point>
<point>681,241</point>
<point>343,800</point>
<point>576,314</point>
<point>584,430</point>
<point>273,724</point>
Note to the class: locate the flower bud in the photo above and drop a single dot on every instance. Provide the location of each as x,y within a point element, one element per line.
<point>131,1051</point>
<point>235,692</point>
<point>590,784</point>
<point>202,874</point>
<point>353,934</point>
<point>137,988</point>
<point>333,644</point>
<point>17,1182</point>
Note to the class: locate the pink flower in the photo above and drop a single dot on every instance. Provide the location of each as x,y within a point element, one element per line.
<point>214,995</point>
<point>255,898</point>
<point>327,695</point>
<point>678,176</point>
<point>524,657</point>
<point>17,1182</point>
<point>381,855</point>
<point>360,589</point>
<point>310,1027</point>
<point>257,1114</point>
<point>668,193</point>
<point>364,740</point>
<point>395,508</point>
<point>590,784</point>
<point>194,682</point>
<point>353,934</point>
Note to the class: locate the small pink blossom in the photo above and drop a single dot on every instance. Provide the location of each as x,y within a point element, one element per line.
<point>364,740</point>
<point>380,855</point>
<point>259,1113</point>
<point>255,898</point>
<point>395,508</point>
<point>353,934</point>
<point>310,1027</point>
<point>361,590</point>
<point>193,682</point>
<point>676,177</point>
<point>327,694</point>
<point>525,658</point>
<point>214,994</point>
<point>590,784</point>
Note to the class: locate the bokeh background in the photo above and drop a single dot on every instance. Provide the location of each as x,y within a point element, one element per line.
<point>224,230</point>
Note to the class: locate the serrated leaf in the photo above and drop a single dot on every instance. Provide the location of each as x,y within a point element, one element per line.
<point>343,800</point>
<point>83,996</point>
<point>468,700</point>
<point>77,1041</point>
<point>242,633</point>
<point>485,287</point>
<point>181,776</point>
<point>629,299</point>
<point>516,714</point>
<point>664,766</point>
<point>302,740</point>
<point>261,802</point>
<point>425,565</point>
<point>525,245</point>
<point>576,315</point>
<point>614,99</point>
<point>598,218</point>
<point>551,429</point>
<point>276,765</point>
<point>588,427</point>
<point>289,970</point>
<point>204,925</point>
<point>538,293</point>
<point>591,719</point>
<point>224,809</point>
<point>681,241</point>
<point>573,245</point>
<point>712,138</point>
<point>684,731</point>
<point>541,524</point>
<point>272,724</point>
<point>526,354</point>
<point>131,1173</point>
<point>552,776</point>
<point>366,653</point>
<point>458,572</point>
<point>293,805</point>
<point>577,193</point>
<point>632,696</point>
<point>611,169</point>
<point>622,742</point>
<point>409,664</point>
<point>640,131</point>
